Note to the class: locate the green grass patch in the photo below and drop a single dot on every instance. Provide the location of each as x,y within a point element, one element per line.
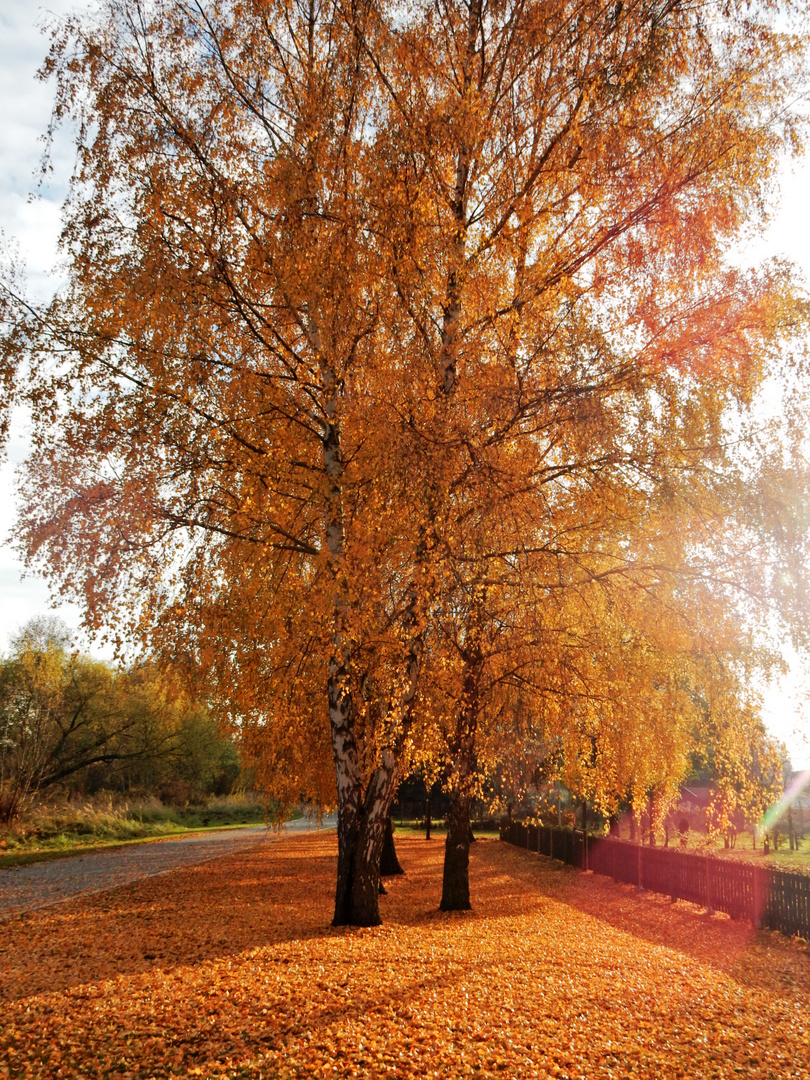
<point>54,832</point>
<point>783,859</point>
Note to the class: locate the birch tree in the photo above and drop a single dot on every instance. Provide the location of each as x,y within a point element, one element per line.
<point>371,313</point>
<point>568,178</point>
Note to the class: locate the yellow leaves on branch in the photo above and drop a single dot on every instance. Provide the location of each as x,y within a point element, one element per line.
<point>227,971</point>
<point>392,339</point>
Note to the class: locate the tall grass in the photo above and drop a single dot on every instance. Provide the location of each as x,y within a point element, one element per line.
<point>113,819</point>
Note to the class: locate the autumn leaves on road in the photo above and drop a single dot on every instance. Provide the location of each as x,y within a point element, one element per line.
<point>231,969</point>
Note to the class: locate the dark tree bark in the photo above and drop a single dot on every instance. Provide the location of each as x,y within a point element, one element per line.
<point>358,887</point>
<point>586,865</point>
<point>358,884</point>
<point>456,875</point>
<point>361,814</point>
<point>389,863</point>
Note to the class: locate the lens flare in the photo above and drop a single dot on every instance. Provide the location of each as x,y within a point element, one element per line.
<point>789,796</point>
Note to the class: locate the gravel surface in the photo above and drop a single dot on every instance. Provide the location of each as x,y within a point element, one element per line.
<point>23,888</point>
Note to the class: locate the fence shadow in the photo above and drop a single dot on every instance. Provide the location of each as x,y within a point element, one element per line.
<point>723,944</point>
<point>772,898</point>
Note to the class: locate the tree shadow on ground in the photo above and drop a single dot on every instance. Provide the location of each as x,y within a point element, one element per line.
<point>232,969</point>
<point>244,901</point>
<point>722,944</point>
<point>187,916</point>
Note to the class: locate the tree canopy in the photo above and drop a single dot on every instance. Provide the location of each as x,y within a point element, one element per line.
<point>402,369</point>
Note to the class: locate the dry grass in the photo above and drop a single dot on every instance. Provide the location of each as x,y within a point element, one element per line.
<point>231,969</point>
<point>61,827</point>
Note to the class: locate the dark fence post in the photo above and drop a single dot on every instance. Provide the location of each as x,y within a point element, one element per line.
<point>584,834</point>
<point>759,898</point>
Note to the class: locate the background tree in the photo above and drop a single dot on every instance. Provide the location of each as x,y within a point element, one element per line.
<point>733,754</point>
<point>74,724</point>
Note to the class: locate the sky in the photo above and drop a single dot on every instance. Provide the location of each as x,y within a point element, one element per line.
<point>33,221</point>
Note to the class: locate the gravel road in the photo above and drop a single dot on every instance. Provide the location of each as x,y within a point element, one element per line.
<point>23,888</point>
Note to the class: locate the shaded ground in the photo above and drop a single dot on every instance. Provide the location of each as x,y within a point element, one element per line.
<point>25,888</point>
<point>231,969</point>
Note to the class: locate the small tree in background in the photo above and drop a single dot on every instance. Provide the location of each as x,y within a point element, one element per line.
<point>70,723</point>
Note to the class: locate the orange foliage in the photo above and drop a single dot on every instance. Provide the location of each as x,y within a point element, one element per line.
<point>229,970</point>
<point>385,327</point>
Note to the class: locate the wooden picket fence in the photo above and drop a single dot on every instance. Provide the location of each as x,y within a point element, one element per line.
<point>772,899</point>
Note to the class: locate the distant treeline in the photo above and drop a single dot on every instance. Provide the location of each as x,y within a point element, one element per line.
<point>75,725</point>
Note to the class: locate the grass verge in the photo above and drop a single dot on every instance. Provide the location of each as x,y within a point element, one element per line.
<point>56,832</point>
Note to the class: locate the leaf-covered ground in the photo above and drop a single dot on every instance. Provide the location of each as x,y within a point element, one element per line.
<point>231,969</point>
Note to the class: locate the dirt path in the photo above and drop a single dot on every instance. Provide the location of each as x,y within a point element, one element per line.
<point>24,888</point>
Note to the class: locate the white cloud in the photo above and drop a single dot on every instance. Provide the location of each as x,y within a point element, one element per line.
<point>29,216</point>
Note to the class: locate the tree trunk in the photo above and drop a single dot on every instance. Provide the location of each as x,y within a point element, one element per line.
<point>344,750</point>
<point>361,815</point>
<point>360,843</point>
<point>360,849</point>
<point>456,875</point>
<point>389,863</point>
<point>347,829</point>
<point>363,907</point>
